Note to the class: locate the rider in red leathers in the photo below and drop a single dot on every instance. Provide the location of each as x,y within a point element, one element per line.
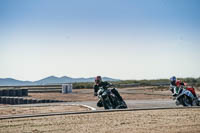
<point>179,83</point>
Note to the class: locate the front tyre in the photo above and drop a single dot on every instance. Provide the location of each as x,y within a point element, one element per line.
<point>106,102</point>
<point>107,105</point>
<point>186,101</point>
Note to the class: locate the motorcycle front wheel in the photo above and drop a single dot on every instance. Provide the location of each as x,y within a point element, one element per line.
<point>186,101</point>
<point>107,104</point>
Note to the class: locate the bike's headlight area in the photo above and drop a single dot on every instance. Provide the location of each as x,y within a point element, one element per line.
<point>100,92</point>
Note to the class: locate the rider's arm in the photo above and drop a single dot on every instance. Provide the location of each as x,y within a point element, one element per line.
<point>107,84</point>
<point>95,90</point>
<point>173,89</point>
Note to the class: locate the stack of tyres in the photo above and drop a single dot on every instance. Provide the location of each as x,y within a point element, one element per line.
<point>16,100</point>
<point>5,92</point>
<point>25,101</point>
<point>24,92</point>
<point>19,92</point>
<point>34,101</point>
<point>12,100</point>
<point>14,92</point>
<point>30,101</point>
<point>47,101</point>
<point>20,101</point>
<point>2,100</point>
<point>1,92</point>
<point>8,100</point>
<point>11,92</point>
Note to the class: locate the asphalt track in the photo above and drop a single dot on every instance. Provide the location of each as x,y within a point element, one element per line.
<point>133,105</point>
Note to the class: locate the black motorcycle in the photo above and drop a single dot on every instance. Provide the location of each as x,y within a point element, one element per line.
<point>110,100</point>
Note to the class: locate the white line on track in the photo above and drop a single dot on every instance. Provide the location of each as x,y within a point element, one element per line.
<point>93,109</point>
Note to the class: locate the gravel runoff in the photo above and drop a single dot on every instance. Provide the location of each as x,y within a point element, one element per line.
<point>151,121</point>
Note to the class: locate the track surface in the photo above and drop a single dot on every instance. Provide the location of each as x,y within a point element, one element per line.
<point>89,112</point>
<point>158,103</point>
<point>133,105</point>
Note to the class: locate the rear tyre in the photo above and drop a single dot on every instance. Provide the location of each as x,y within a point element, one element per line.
<point>198,102</point>
<point>124,105</point>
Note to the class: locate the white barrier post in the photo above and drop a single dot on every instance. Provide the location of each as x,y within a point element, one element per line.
<point>66,88</point>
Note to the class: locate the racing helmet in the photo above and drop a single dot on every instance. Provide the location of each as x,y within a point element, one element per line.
<point>173,80</point>
<point>98,79</point>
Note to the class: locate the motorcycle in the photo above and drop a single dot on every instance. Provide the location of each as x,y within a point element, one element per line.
<point>110,100</point>
<point>184,97</point>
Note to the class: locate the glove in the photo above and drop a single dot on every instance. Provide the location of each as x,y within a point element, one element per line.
<point>174,95</point>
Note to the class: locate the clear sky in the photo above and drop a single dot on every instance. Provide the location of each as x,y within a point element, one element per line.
<point>125,39</point>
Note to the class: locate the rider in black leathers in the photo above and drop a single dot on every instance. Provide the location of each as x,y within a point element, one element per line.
<point>105,85</point>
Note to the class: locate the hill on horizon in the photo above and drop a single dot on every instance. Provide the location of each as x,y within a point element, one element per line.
<point>49,80</point>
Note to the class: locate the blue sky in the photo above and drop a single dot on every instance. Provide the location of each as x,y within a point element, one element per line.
<point>129,39</point>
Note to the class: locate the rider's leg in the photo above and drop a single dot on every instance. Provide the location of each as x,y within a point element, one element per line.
<point>116,94</point>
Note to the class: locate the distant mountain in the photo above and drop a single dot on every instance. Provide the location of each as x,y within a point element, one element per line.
<point>49,80</point>
<point>10,81</point>
<point>54,80</point>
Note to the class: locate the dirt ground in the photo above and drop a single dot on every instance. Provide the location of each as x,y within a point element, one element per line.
<point>80,95</point>
<point>135,93</point>
<point>149,121</point>
<point>55,108</point>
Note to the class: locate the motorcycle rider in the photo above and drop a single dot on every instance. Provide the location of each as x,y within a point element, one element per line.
<point>175,82</point>
<point>178,85</point>
<point>99,83</point>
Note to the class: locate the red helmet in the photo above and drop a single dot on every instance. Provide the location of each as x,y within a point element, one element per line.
<point>98,79</point>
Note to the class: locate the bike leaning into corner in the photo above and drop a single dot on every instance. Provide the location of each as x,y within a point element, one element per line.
<point>183,95</point>
<point>108,98</point>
